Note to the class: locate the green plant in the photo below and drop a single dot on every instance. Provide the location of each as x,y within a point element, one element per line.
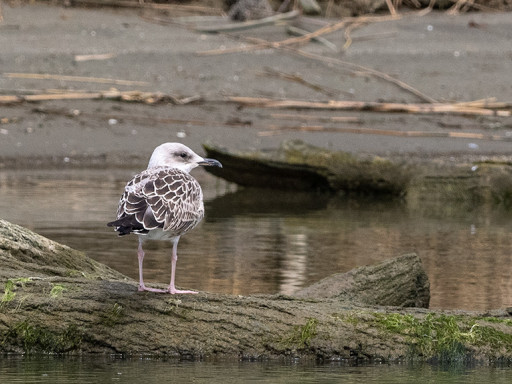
<point>301,336</point>
<point>57,291</point>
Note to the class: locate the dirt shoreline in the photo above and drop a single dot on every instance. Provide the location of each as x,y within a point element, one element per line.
<point>446,57</point>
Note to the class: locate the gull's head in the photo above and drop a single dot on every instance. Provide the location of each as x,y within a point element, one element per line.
<point>177,155</point>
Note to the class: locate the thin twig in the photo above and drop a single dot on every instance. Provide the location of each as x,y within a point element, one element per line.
<point>426,108</point>
<point>300,80</point>
<point>275,130</point>
<point>427,10</point>
<point>47,76</point>
<point>301,32</point>
<point>298,116</point>
<point>230,27</point>
<point>359,68</point>
<point>391,8</point>
<point>348,38</point>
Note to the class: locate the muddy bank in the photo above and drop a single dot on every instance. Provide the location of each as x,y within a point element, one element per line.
<point>455,59</point>
<point>56,300</point>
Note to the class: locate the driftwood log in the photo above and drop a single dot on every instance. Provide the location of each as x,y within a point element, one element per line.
<point>298,166</point>
<point>56,300</point>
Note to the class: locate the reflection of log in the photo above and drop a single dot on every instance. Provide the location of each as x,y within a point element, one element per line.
<point>57,300</point>
<point>298,166</point>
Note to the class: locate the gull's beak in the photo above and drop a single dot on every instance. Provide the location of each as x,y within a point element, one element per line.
<point>210,163</point>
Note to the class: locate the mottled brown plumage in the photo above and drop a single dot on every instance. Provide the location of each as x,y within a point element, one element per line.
<point>160,198</point>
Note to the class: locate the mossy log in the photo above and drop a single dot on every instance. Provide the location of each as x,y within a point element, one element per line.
<point>296,165</point>
<point>300,166</point>
<point>56,300</point>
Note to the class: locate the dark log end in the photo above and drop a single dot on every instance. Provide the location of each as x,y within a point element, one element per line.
<point>399,282</point>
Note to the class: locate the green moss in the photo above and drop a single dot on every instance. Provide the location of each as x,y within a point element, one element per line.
<point>57,291</point>
<point>301,336</point>
<point>8,292</point>
<point>497,320</point>
<point>347,318</point>
<point>10,288</point>
<point>33,338</point>
<point>445,338</point>
<point>348,173</point>
<point>75,273</point>
<point>113,315</point>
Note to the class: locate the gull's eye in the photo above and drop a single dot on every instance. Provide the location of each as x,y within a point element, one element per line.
<point>183,155</point>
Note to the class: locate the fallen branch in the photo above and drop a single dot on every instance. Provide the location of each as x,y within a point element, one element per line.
<point>47,76</point>
<point>441,108</point>
<point>230,27</point>
<point>295,116</point>
<point>131,96</point>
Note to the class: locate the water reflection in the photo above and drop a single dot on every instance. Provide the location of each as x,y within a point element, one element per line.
<point>254,241</point>
<point>47,369</point>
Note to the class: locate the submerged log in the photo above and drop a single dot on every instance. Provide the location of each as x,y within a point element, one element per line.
<point>56,300</point>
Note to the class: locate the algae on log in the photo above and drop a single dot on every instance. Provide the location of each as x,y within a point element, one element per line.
<point>56,300</point>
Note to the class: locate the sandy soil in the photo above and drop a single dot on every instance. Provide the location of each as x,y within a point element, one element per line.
<point>449,58</point>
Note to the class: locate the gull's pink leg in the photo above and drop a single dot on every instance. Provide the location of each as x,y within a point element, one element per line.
<point>172,289</point>
<point>142,287</point>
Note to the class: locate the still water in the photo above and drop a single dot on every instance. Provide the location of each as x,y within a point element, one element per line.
<point>110,370</point>
<point>254,241</point>
<point>265,242</point>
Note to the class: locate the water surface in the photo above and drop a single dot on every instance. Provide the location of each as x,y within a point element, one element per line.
<point>254,241</point>
<point>111,370</point>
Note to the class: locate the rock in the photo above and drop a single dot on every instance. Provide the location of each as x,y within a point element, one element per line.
<point>244,10</point>
<point>310,7</point>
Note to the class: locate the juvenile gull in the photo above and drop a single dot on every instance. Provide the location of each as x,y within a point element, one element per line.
<point>163,202</point>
